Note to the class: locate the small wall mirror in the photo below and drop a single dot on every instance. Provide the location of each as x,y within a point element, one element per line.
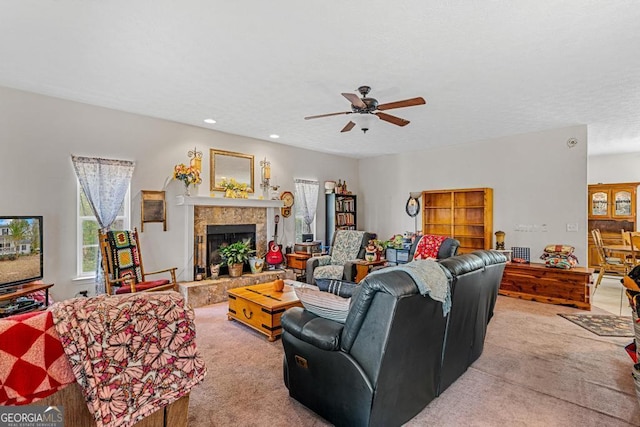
<point>227,164</point>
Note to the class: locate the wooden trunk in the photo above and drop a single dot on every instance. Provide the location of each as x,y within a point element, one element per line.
<point>536,282</point>
<point>261,306</point>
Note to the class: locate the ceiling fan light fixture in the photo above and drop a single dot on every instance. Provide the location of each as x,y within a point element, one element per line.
<point>365,107</point>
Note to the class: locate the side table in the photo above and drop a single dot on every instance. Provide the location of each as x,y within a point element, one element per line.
<point>364,267</point>
<point>297,261</point>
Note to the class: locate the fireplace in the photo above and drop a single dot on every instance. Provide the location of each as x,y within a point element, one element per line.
<point>222,235</point>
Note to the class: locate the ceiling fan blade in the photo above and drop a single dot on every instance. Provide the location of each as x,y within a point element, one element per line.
<point>405,103</point>
<point>348,127</point>
<point>327,115</point>
<point>392,119</point>
<point>354,100</point>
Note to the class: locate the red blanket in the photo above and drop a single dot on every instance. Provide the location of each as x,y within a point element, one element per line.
<point>131,354</point>
<point>32,362</point>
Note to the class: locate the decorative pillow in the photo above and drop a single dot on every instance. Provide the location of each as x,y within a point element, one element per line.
<point>428,246</point>
<point>341,288</point>
<point>324,304</point>
<point>561,261</point>
<point>559,249</point>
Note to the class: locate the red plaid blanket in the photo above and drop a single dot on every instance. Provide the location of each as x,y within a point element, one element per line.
<point>32,362</point>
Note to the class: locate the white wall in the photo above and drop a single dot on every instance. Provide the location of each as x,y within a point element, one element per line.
<point>38,134</point>
<point>612,168</point>
<point>536,179</point>
<point>615,168</point>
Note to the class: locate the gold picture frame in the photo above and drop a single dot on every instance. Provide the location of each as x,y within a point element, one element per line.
<point>228,164</point>
<point>153,208</point>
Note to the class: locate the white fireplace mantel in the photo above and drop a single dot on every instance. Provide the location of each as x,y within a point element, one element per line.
<point>190,202</point>
<point>226,201</point>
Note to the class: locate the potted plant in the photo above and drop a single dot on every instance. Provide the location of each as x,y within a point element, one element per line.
<point>235,255</point>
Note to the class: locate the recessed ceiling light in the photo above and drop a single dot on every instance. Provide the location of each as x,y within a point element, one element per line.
<point>274,136</point>
<point>210,121</point>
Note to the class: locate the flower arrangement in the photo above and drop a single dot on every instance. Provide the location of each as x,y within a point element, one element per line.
<point>233,189</point>
<point>187,174</point>
<point>375,248</point>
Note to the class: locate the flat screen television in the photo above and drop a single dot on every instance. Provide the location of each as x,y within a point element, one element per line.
<point>21,254</point>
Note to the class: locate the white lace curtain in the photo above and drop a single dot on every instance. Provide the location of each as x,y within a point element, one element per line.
<point>105,183</point>
<point>307,198</point>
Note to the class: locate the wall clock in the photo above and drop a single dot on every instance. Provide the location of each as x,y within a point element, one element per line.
<point>288,199</point>
<point>412,207</point>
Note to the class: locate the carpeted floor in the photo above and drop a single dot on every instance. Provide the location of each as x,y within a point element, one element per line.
<point>604,325</point>
<point>537,369</point>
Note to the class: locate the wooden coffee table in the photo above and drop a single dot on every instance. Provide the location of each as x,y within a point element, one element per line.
<point>260,307</point>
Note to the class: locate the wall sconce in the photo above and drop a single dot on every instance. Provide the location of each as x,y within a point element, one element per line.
<point>265,174</point>
<point>196,159</point>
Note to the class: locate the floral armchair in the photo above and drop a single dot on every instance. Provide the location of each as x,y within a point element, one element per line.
<point>347,246</point>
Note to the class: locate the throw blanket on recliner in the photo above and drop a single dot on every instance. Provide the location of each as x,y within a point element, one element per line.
<point>429,278</point>
<point>131,354</point>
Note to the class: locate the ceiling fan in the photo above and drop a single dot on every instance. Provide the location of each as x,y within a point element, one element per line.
<point>367,105</point>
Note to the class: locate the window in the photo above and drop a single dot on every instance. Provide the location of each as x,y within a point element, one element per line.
<point>88,228</point>
<point>305,208</point>
<point>301,227</point>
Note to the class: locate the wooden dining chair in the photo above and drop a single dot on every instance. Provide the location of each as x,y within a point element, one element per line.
<point>607,263</point>
<point>634,258</point>
<point>626,237</point>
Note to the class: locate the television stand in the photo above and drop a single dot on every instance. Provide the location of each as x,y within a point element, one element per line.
<point>23,290</point>
<point>9,289</point>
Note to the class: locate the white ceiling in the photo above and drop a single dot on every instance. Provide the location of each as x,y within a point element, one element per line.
<point>486,68</point>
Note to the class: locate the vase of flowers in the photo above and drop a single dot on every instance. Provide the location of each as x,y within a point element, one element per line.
<point>375,249</point>
<point>189,175</point>
<point>233,189</point>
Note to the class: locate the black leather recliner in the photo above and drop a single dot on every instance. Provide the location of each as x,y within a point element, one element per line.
<point>397,351</point>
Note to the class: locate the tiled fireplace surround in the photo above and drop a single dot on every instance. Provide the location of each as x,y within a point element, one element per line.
<point>203,211</point>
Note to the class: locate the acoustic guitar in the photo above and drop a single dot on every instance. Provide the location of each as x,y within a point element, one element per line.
<point>274,255</point>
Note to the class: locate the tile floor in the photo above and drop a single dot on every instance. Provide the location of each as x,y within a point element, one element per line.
<point>610,296</point>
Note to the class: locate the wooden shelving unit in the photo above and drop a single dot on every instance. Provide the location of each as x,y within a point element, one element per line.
<point>341,214</point>
<point>464,214</point>
<point>612,208</point>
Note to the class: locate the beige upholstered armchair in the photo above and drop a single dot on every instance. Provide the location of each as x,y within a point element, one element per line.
<point>347,246</point>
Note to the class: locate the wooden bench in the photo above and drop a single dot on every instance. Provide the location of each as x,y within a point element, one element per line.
<point>536,282</point>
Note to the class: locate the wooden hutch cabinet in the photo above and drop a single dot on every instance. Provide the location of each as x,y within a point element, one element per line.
<point>464,214</point>
<point>612,208</point>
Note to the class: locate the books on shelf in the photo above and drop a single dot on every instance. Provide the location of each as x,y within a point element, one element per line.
<point>344,218</point>
<point>345,205</point>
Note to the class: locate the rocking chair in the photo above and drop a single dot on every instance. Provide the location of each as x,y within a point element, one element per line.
<point>122,265</point>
